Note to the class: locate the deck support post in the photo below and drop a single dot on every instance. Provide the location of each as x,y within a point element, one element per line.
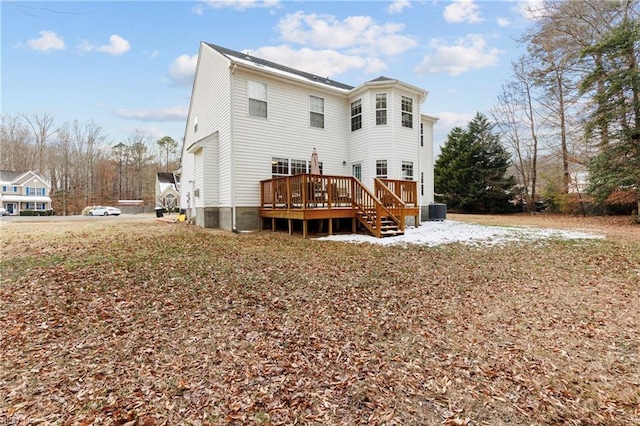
<point>304,228</point>
<point>353,225</point>
<point>330,226</point>
<point>290,222</point>
<point>273,224</point>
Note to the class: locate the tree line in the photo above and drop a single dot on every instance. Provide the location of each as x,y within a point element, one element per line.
<point>570,109</point>
<point>79,163</point>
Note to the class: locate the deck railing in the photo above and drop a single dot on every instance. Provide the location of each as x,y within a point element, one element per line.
<point>406,190</point>
<point>307,191</point>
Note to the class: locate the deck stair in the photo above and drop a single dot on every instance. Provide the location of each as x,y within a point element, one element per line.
<point>376,216</point>
<point>388,227</point>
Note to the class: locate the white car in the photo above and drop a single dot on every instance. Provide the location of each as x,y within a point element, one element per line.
<point>104,211</point>
<point>3,211</point>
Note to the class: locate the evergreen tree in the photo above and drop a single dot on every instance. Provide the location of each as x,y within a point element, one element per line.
<point>616,168</point>
<point>470,173</point>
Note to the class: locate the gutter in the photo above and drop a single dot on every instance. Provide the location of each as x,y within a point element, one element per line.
<point>232,69</point>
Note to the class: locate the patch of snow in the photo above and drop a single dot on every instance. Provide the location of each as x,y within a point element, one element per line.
<point>434,233</point>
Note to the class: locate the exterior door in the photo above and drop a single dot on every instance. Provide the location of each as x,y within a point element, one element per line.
<point>356,171</point>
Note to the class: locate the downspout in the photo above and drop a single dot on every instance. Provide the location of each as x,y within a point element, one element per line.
<point>232,70</point>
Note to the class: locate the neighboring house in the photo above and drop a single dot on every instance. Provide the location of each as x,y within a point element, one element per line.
<point>23,191</point>
<point>250,120</point>
<point>167,194</point>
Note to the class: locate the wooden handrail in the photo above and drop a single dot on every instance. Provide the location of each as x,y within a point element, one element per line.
<point>391,201</point>
<point>406,190</point>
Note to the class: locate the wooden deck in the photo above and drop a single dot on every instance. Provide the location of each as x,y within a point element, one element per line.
<point>306,197</point>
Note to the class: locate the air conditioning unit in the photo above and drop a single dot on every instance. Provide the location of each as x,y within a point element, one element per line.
<point>437,211</point>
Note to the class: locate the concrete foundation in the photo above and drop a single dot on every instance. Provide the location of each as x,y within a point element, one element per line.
<point>247,218</point>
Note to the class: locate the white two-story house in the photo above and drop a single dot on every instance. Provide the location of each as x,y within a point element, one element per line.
<point>252,120</point>
<point>20,191</point>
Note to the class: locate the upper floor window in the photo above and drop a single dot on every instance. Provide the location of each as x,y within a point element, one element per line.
<point>407,170</point>
<point>40,192</point>
<point>257,93</point>
<point>381,169</point>
<point>356,115</point>
<point>4,189</point>
<point>421,134</point>
<point>279,166</point>
<point>407,112</point>
<point>381,109</point>
<point>298,167</point>
<point>316,112</point>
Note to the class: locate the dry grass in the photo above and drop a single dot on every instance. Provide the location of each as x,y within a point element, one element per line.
<point>146,323</point>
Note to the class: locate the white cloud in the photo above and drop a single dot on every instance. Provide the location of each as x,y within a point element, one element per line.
<point>242,4</point>
<point>165,114</point>
<point>449,120</point>
<point>48,40</point>
<point>468,53</point>
<point>183,69</point>
<point>397,6</point>
<point>321,62</point>
<point>460,11</point>
<point>360,34</point>
<point>153,54</point>
<point>117,46</point>
<point>503,22</point>
<point>198,9</point>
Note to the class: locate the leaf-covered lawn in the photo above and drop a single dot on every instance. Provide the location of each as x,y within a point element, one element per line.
<point>146,323</point>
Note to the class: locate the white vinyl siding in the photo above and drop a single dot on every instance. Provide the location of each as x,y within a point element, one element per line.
<point>210,102</point>
<point>285,134</point>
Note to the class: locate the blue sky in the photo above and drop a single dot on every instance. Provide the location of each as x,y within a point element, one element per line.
<point>130,65</point>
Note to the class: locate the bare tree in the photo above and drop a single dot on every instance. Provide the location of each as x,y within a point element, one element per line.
<point>516,117</point>
<point>42,126</point>
<point>168,145</point>
<point>16,149</point>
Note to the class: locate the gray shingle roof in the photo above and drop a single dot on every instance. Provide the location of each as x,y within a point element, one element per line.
<point>9,175</point>
<point>311,77</point>
<point>164,177</point>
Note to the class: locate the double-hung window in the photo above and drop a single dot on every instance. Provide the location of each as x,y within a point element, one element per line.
<point>356,115</point>
<point>279,166</point>
<point>39,192</point>
<point>407,112</point>
<point>407,170</point>
<point>316,112</point>
<point>381,169</point>
<point>381,109</point>
<point>257,93</point>
<point>421,134</point>
<point>298,167</point>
